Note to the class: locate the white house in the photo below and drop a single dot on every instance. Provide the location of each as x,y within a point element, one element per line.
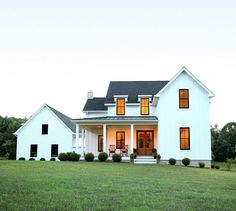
<point>171,116</point>
<point>47,133</point>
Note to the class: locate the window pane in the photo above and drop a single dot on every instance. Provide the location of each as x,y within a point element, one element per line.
<point>54,150</point>
<point>33,150</point>
<point>184,138</point>
<point>100,143</point>
<point>120,140</point>
<point>44,129</point>
<point>144,106</point>
<point>120,106</point>
<point>184,98</point>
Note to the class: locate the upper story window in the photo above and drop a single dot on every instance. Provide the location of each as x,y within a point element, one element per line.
<point>144,104</point>
<point>120,106</point>
<point>184,138</point>
<point>44,129</point>
<point>183,98</point>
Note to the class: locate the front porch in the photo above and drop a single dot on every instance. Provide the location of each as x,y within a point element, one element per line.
<point>120,135</point>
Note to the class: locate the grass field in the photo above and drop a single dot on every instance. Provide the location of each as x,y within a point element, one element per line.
<point>38,185</point>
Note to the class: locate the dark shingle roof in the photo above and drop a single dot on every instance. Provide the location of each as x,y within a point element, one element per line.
<point>95,104</point>
<point>133,89</point>
<point>67,120</point>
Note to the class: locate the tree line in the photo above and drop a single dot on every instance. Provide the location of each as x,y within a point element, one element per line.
<point>223,141</point>
<point>8,126</point>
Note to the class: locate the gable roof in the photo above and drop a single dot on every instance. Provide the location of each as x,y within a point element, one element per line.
<point>62,117</point>
<point>133,89</point>
<point>184,69</point>
<point>65,119</point>
<point>95,104</point>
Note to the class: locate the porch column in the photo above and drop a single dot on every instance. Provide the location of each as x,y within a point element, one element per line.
<point>82,140</point>
<point>77,135</point>
<point>104,138</point>
<point>131,138</point>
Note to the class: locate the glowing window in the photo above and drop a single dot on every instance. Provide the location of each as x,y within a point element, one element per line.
<point>184,138</point>
<point>183,98</point>
<point>144,106</point>
<point>120,106</point>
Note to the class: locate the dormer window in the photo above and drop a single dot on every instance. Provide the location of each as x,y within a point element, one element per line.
<point>120,106</point>
<point>144,105</point>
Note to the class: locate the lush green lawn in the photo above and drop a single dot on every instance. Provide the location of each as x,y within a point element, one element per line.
<point>38,185</point>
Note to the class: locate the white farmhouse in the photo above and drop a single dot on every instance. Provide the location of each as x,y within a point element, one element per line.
<point>169,116</point>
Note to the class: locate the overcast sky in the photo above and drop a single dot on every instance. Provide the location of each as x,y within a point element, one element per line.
<point>55,51</point>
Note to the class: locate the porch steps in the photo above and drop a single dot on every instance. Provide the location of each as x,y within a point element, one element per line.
<point>144,160</point>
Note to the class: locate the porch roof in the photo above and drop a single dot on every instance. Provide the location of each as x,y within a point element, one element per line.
<point>117,119</point>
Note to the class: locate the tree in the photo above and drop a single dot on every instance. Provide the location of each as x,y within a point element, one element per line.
<point>9,125</point>
<point>224,146</point>
<point>215,132</point>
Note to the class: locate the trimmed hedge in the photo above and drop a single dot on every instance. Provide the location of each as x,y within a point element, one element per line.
<point>89,157</point>
<point>53,159</point>
<point>63,156</point>
<point>42,159</point>
<point>31,159</point>
<point>74,156</point>
<point>186,161</point>
<point>172,161</point>
<point>69,156</point>
<point>102,156</point>
<point>21,158</point>
<point>116,157</point>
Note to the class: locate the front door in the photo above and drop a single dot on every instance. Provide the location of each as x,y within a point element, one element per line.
<point>145,142</point>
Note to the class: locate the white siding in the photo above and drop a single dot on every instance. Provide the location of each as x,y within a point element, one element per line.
<point>31,134</point>
<point>171,118</point>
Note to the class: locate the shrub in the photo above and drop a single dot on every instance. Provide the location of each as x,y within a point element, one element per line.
<point>158,157</point>
<point>172,161</point>
<point>201,164</point>
<point>155,155</point>
<point>102,156</point>
<point>135,150</point>
<point>89,157</point>
<point>53,159</point>
<point>154,150</point>
<point>217,167</point>
<point>116,157</point>
<point>186,161</point>
<point>42,159</point>
<point>31,159</point>
<point>229,164</point>
<point>69,156</point>
<point>73,156</point>
<point>212,166</point>
<point>63,156</point>
<point>21,158</point>
<point>132,157</point>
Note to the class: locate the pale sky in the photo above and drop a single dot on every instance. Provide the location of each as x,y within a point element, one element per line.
<point>55,51</point>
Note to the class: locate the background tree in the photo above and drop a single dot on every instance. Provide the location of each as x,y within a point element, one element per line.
<point>9,125</point>
<point>224,146</point>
